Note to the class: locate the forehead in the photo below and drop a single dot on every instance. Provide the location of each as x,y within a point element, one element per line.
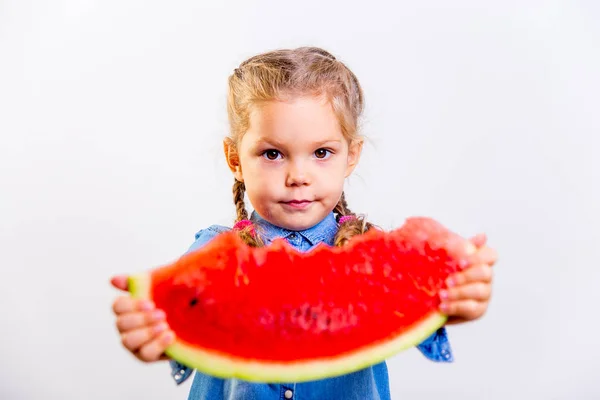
<point>309,118</point>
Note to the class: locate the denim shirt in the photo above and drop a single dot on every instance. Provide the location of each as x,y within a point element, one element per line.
<point>366,384</point>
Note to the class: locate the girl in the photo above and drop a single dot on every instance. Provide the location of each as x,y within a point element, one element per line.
<point>293,140</point>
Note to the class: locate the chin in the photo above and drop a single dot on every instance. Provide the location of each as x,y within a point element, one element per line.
<point>291,219</point>
<point>299,222</point>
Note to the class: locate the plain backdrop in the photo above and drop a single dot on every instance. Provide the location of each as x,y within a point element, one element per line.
<point>483,115</point>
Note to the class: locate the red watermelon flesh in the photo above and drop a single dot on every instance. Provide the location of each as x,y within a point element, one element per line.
<point>276,314</point>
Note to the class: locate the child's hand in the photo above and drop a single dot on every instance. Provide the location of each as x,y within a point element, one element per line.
<point>143,329</point>
<point>469,291</point>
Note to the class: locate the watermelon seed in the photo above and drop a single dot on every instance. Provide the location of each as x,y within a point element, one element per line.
<point>193,302</point>
<point>314,315</point>
<point>307,312</point>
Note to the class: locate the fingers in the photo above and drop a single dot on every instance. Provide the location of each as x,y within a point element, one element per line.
<point>466,309</point>
<point>135,339</point>
<point>143,329</point>
<point>484,255</point>
<point>154,350</point>
<point>126,304</point>
<point>134,320</point>
<point>468,292</point>
<point>479,291</point>
<point>120,282</point>
<point>477,273</point>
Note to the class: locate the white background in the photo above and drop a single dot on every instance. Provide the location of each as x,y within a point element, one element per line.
<point>483,115</point>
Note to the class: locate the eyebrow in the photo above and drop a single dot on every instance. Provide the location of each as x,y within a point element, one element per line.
<point>264,140</point>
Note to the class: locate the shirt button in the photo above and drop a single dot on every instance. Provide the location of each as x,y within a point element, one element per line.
<point>292,236</point>
<point>288,394</point>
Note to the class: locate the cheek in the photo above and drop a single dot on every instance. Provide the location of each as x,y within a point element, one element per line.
<point>334,170</point>
<point>257,172</point>
<point>331,178</point>
<point>259,179</point>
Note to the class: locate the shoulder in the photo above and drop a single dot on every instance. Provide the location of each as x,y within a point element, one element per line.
<point>205,235</point>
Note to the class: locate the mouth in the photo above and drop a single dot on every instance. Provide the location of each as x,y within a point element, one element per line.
<point>297,204</point>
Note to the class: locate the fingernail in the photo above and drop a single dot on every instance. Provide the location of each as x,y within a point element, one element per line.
<point>444,294</point>
<point>444,307</point>
<point>450,282</point>
<point>158,315</point>
<point>160,328</point>
<point>146,305</point>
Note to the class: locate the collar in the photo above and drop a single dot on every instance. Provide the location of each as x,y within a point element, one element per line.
<point>324,231</point>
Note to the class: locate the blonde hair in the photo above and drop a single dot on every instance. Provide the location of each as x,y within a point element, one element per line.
<point>280,74</point>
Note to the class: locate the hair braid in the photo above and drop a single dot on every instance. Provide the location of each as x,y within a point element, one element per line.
<point>352,227</point>
<point>248,234</point>
<point>239,190</point>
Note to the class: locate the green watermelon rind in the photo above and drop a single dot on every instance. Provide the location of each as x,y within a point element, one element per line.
<point>223,366</point>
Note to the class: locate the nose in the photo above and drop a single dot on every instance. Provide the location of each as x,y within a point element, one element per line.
<point>297,175</point>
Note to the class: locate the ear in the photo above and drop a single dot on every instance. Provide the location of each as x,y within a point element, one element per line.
<point>233,159</point>
<point>354,152</point>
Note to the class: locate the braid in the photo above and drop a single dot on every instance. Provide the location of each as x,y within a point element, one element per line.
<point>351,227</point>
<point>248,234</point>
<point>238,198</point>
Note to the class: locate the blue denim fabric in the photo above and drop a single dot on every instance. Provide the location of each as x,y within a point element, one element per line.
<point>368,384</point>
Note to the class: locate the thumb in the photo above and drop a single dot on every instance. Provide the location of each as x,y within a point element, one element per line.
<point>120,282</point>
<point>479,240</point>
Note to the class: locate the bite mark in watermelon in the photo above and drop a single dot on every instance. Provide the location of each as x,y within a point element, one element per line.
<point>274,314</point>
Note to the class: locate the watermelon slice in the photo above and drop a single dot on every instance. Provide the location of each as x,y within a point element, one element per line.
<point>274,314</point>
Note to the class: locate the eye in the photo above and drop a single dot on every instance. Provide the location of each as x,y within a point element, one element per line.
<point>271,154</point>
<point>322,153</point>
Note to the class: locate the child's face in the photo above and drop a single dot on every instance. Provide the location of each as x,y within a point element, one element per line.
<point>293,161</point>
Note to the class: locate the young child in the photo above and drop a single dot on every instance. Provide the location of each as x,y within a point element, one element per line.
<point>293,140</point>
